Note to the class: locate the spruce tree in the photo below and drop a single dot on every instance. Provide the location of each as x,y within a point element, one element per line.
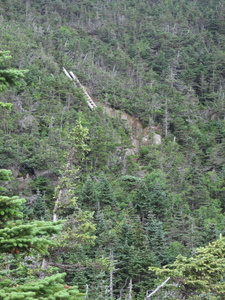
<point>88,194</point>
<point>105,193</point>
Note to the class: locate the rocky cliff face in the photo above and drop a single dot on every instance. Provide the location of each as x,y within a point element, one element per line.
<point>139,135</point>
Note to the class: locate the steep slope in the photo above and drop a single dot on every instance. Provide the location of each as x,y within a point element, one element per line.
<point>152,67</point>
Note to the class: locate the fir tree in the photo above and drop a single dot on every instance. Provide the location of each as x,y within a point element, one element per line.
<point>197,277</point>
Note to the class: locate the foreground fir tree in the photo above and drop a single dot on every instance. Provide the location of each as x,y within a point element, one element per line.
<point>197,277</point>
<point>17,241</point>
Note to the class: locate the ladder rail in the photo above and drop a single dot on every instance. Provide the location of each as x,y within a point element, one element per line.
<point>67,74</point>
<point>83,88</point>
<point>72,76</point>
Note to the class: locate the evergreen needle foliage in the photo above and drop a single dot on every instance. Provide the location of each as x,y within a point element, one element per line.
<point>19,238</point>
<point>139,179</point>
<point>199,276</point>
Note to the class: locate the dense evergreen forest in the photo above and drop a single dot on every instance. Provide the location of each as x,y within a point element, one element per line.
<point>129,212</point>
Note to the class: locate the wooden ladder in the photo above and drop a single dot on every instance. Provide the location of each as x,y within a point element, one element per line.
<point>89,100</point>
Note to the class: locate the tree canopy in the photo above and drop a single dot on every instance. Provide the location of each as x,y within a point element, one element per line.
<point>139,180</point>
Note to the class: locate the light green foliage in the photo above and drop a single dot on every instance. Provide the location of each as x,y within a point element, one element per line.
<point>78,231</point>
<point>4,176</point>
<point>8,76</point>
<point>200,275</point>
<point>6,105</point>
<point>65,191</point>
<point>51,288</point>
<point>77,139</point>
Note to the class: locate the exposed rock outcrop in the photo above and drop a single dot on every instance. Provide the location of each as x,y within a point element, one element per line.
<point>139,135</point>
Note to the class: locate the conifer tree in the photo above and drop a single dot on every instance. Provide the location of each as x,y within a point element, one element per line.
<point>155,235</point>
<point>88,193</point>
<point>18,239</point>
<point>197,277</point>
<point>8,76</point>
<point>105,193</point>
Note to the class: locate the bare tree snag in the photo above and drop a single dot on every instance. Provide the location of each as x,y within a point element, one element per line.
<point>130,290</point>
<point>156,290</point>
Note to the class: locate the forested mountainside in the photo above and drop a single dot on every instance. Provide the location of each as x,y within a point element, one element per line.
<point>131,205</point>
